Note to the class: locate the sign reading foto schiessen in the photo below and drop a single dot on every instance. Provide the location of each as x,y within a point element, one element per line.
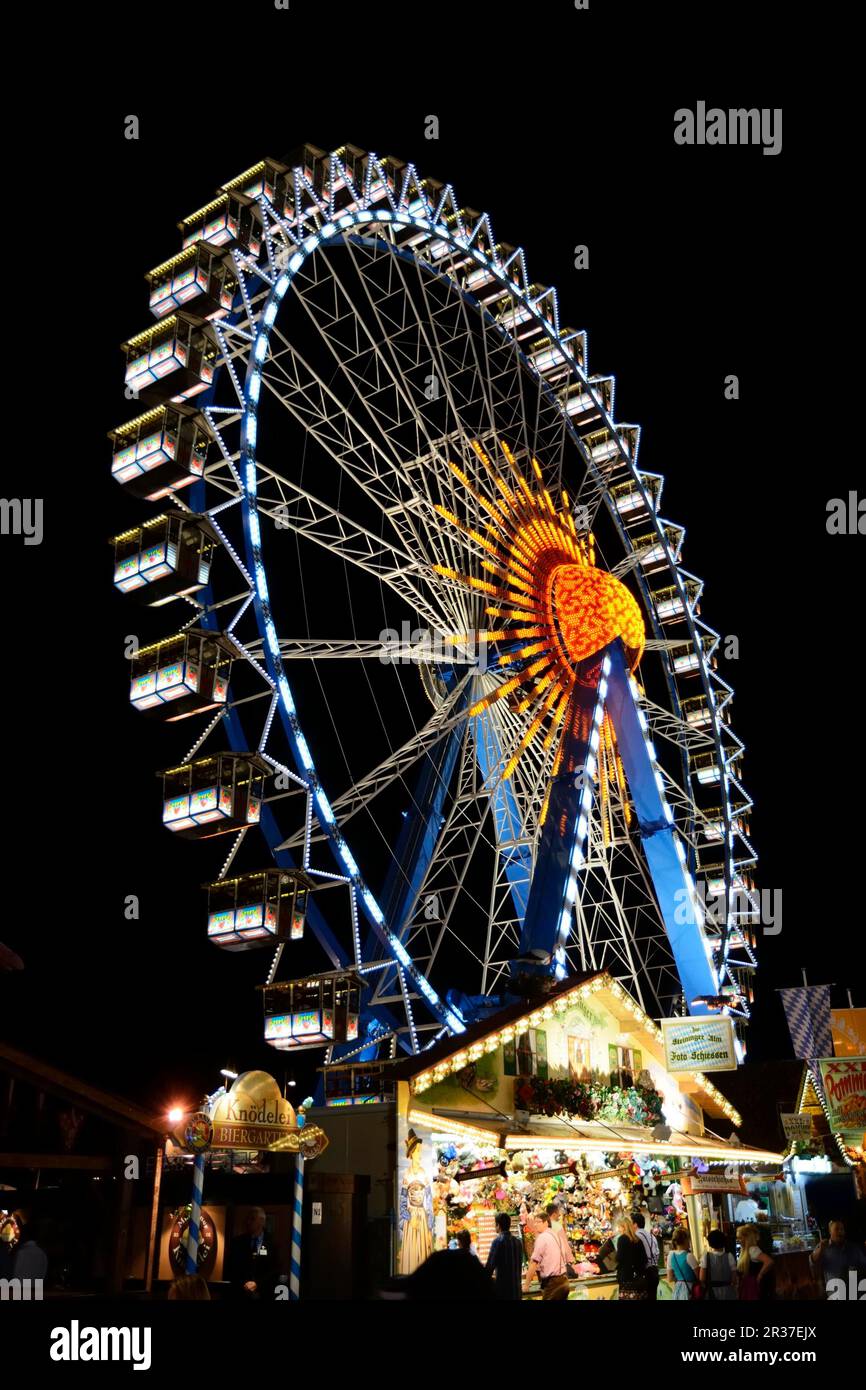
<point>845,1091</point>
<point>699,1044</point>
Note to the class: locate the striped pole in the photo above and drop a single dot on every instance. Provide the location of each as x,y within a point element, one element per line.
<point>195,1215</point>
<point>297,1220</point>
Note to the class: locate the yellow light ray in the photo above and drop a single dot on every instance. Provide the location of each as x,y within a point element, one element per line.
<point>468,531</point>
<point>521,747</point>
<point>531,650</point>
<point>517,633</point>
<point>469,581</point>
<point>506,688</point>
<point>540,687</point>
<point>519,613</point>
<point>557,720</point>
<point>491,507</point>
<point>505,490</point>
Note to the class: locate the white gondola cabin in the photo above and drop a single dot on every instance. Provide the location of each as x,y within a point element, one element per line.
<point>182,675</point>
<point>257,909</point>
<point>213,795</point>
<point>697,712</point>
<point>199,276</point>
<point>309,170</point>
<point>160,452</point>
<point>173,360</point>
<point>313,1012</point>
<point>229,220</point>
<point>165,558</point>
<point>268,177</point>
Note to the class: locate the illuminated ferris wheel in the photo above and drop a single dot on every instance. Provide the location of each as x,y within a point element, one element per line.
<point>426,570</point>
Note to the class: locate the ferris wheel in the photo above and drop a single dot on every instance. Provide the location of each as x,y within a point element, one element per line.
<point>426,572</point>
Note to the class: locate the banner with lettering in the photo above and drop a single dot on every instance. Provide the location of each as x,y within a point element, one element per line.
<point>845,1092</point>
<point>699,1044</point>
<point>798,1128</point>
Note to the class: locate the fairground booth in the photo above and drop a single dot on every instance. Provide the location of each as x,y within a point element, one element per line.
<point>567,1099</point>
<point>816,1113</point>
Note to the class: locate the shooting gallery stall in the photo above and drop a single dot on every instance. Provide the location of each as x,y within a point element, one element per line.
<point>568,1098</point>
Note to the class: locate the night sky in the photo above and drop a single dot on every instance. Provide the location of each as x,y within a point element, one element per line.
<point>697,270</point>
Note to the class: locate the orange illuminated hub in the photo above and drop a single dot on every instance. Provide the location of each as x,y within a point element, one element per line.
<point>590,608</point>
<point>552,609</point>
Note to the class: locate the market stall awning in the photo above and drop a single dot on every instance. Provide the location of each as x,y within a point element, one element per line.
<point>587,1136</point>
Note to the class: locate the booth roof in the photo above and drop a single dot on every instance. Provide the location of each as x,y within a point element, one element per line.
<point>509,1013</point>
<point>613,995</point>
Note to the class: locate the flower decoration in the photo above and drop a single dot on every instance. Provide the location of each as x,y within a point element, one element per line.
<point>640,1105</point>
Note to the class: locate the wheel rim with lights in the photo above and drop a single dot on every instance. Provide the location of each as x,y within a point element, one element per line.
<point>478,478</point>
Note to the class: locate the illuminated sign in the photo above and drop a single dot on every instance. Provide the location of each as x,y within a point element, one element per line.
<point>845,1091</point>
<point>255,1115</point>
<point>699,1044</point>
<point>798,1128</point>
<point>694,1183</point>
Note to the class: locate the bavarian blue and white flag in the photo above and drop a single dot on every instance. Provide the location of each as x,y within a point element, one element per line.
<point>807,1010</point>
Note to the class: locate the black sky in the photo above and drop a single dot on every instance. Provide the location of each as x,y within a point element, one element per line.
<point>703,262</point>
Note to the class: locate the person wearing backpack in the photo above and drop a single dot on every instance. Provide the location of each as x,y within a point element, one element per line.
<point>631,1262</point>
<point>682,1272</point>
<point>718,1272</point>
<point>651,1246</point>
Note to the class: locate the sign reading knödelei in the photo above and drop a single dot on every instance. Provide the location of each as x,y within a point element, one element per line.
<point>699,1044</point>
<point>253,1115</point>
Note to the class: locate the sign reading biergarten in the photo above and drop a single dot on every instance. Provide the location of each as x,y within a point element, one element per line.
<point>252,1115</point>
<point>844,1081</point>
<point>699,1044</point>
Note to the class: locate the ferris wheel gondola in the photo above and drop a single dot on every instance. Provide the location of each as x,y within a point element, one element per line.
<point>572,777</point>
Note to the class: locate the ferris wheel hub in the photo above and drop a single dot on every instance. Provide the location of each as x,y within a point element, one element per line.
<point>589,609</point>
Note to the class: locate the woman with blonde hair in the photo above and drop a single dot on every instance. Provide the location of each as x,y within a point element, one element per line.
<point>631,1261</point>
<point>682,1270</point>
<point>753,1266</point>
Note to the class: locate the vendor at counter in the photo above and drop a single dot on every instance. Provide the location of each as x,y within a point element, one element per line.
<point>837,1257</point>
<point>548,1261</point>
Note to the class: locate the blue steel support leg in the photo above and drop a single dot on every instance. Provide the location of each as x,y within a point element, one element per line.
<point>664,852</point>
<point>516,855</point>
<point>547,924</point>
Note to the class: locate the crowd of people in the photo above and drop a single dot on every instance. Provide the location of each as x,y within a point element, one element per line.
<point>728,1269</point>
